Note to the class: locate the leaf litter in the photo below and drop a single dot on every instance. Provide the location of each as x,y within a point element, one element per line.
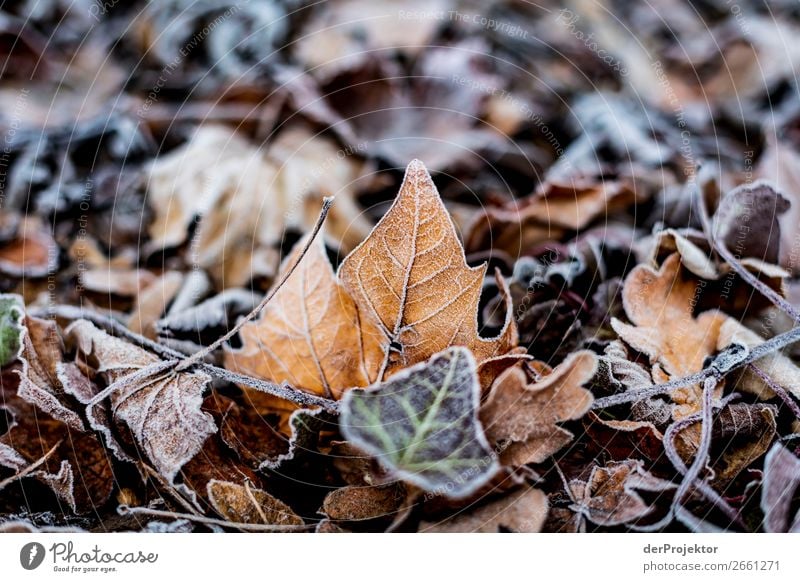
<point>555,291</point>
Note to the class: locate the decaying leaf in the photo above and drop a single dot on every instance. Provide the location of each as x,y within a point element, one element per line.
<point>523,511</point>
<point>311,334</point>
<point>521,417</point>
<point>609,497</point>
<point>161,409</point>
<point>411,276</point>
<point>45,377</point>
<point>558,206</point>
<point>422,424</point>
<point>246,504</point>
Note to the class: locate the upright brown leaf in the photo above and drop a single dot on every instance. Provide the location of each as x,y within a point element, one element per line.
<point>410,274</point>
<point>311,334</point>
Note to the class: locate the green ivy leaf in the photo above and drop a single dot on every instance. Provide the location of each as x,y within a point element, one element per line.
<point>422,424</point>
<point>12,310</point>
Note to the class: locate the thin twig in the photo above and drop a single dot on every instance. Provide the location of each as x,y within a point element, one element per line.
<point>198,356</point>
<point>257,527</point>
<point>30,468</point>
<point>757,352</point>
<point>691,476</point>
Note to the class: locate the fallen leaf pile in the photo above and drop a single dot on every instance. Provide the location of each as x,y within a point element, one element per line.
<point>363,266</point>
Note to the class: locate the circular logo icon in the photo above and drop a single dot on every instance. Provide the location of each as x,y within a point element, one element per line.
<point>31,555</point>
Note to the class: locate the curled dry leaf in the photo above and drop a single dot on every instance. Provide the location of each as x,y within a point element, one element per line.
<point>422,424</point>
<point>521,417</point>
<point>780,486</point>
<point>411,276</point>
<point>609,497</point>
<point>311,334</point>
<point>162,409</point>
<point>558,206</point>
<point>44,377</point>
<point>246,504</point>
<point>523,511</point>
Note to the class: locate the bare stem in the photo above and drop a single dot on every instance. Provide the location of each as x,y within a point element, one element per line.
<point>779,390</point>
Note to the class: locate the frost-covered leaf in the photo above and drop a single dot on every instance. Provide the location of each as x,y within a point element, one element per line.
<point>11,313</point>
<point>411,276</point>
<point>311,334</point>
<point>246,504</point>
<point>162,409</point>
<point>422,423</point>
<point>521,417</point>
<point>609,497</point>
<point>44,374</point>
<point>73,464</point>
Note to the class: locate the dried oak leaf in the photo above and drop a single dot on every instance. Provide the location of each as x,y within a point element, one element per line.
<point>311,334</point>
<point>660,306</point>
<point>609,497</point>
<point>246,504</point>
<point>12,311</point>
<point>523,511</point>
<point>162,409</point>
<point>359,503</point>
<point>781,485</point>
<point>410,274</point>
<point>422,424</point>
<point>521,417</point>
